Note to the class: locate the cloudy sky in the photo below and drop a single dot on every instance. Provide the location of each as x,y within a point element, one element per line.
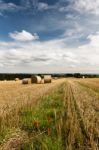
<point>54,36</point>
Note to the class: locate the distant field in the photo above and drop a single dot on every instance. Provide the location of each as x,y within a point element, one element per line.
<point>63,115</point>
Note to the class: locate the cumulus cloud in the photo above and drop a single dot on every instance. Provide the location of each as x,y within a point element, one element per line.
<point>23,36</point>
<point>34,54</point>
<point>87,55</point>
<point>91,6</point>
<point>92,48</point>
<point>82,6</point>
<point>75,51</point>
<point>51,55</point>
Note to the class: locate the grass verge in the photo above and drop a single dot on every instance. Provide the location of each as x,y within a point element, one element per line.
<point>43,123</point>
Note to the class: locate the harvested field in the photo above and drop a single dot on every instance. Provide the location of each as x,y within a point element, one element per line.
<point>14,94</point>
<point>63,115</point>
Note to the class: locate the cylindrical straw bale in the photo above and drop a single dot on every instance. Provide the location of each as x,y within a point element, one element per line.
<point>47,79</point>
<point>16,79</point>
<point>25,81</point>
<point>36,79</point>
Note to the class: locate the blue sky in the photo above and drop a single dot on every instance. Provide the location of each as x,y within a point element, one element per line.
<point>49,36</point>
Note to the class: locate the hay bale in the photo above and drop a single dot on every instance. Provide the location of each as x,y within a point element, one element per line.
<point>16,79</point>
<point>47,79</point>
<point>36,79</point>
<point>25,81</point>
<point>55,78</point>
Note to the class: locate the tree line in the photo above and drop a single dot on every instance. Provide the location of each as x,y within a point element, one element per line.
<point>10,76</point>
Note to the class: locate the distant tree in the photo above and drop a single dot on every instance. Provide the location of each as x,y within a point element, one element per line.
<point>77,75</point>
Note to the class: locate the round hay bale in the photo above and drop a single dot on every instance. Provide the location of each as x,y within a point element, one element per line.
<point>36,79</point>
<point>25,81</point>
<point>55,78</point>
<point>16,79</point>
<point>47,79</point>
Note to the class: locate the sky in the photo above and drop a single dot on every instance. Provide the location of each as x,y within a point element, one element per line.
<point>49,36</point>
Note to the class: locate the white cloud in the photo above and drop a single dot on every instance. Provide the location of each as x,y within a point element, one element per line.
<point>75,30</point>
<point>24,5</point>
<point>42,6</point>
<point>23,36</point>
<point>43,55</point>
<point>93,44</point>
<point>8,6</point>
<point>34,4</point>
<point>52,56</point>
<point>91,6</point>
<point>89,53</point>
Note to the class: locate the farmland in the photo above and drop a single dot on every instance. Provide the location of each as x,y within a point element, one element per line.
<point>63,115</point>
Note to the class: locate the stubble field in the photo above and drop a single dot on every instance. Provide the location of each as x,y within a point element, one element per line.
<point>63,115</point>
